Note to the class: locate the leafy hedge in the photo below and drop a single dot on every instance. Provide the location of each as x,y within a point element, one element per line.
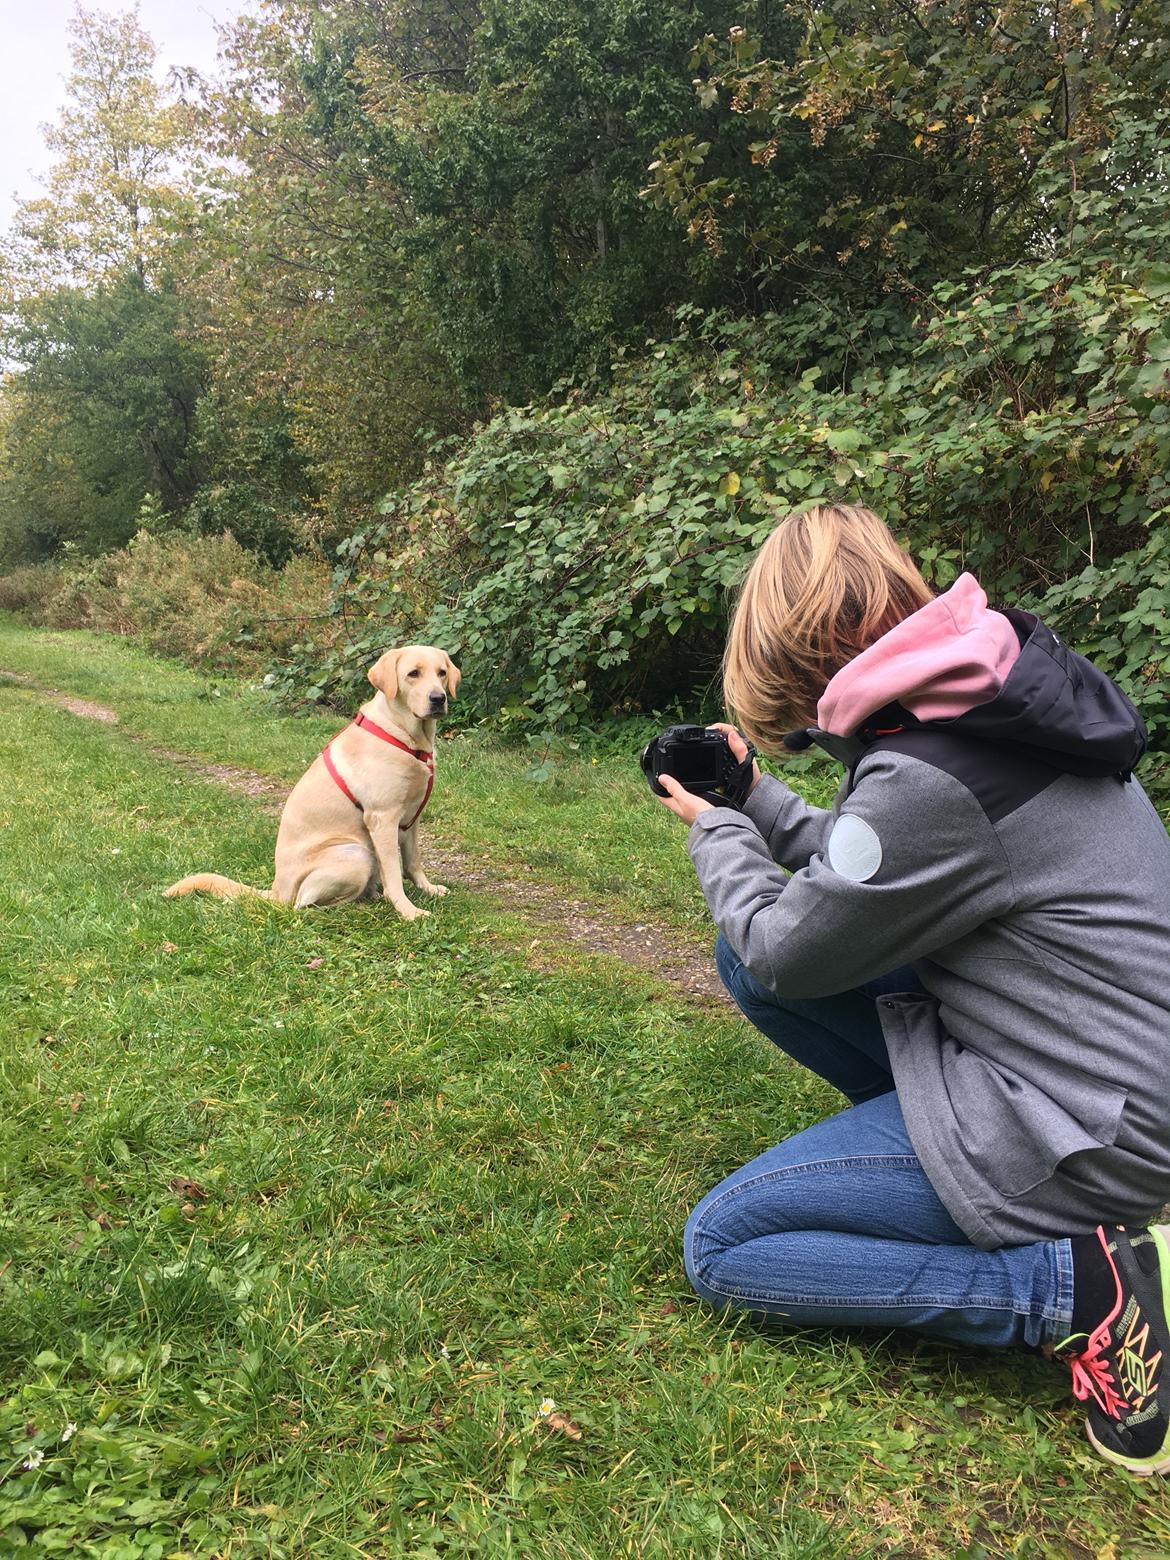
<point>577,554</point>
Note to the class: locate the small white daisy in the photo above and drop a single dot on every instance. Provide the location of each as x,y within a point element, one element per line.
<point>34,1459</point>
<point>546,1407</point>
<point>69,1431</point>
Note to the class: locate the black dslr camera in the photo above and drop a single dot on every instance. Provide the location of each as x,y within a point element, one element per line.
<point>702,762</point>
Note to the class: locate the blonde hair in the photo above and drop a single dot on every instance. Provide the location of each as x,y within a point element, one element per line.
<point>826,584</point>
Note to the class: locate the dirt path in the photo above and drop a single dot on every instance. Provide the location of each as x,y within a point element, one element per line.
<point>658,950</point>
<point>85,708</point>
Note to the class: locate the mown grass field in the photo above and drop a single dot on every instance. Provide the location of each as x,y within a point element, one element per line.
<point>302,1218</point>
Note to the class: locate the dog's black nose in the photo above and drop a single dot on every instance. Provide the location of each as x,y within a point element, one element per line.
<point>438,703</point>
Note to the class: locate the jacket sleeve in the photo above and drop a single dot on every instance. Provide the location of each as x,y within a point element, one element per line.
<point>792,830</point>
<point>910,864</point>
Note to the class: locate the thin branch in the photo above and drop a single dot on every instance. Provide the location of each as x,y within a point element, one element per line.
<point>438,70</point>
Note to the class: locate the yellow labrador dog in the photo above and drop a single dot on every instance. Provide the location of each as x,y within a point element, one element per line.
<point>350,825</point>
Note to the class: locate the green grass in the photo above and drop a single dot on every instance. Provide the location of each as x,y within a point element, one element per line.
<point>301,1217</point>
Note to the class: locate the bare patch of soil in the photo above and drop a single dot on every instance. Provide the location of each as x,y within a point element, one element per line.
<point>85,709</point>
<point>272,793</point>
<point>659,951</point>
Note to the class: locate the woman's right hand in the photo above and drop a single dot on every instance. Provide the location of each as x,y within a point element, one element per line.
<point>738,748</point>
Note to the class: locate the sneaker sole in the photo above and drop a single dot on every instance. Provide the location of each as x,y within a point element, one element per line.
<point>1140,1470</point>
<point>1150,1467</point>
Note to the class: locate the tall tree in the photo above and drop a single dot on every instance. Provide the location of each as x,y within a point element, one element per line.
<point>105,369</point>
<point>432,205</point>
<point>116,178</point>
<point>929,128</point>
<point>102,413</point>
<point>317,329</point>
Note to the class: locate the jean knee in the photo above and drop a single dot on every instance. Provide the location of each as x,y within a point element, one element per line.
<point>727,961</point>
<point>754,1001</point>
<point>741,984</point>
<point>701,1247</point>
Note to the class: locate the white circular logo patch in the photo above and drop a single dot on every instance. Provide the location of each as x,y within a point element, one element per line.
<point>855,852</point>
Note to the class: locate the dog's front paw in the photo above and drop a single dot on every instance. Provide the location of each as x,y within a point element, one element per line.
<point>435,889</point>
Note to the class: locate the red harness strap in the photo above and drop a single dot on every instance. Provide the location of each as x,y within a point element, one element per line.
<point>335,772</point>
<point>423,755</point>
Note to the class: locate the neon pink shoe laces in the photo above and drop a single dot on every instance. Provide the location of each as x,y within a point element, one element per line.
<point>1092,1375</point>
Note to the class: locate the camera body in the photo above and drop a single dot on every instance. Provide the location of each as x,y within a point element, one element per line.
<point>701,761</point>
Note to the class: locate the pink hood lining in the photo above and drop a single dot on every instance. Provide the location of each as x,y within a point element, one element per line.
<point>946,658</point>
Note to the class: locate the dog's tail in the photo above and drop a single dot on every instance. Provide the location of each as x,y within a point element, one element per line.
<point>213,883</point>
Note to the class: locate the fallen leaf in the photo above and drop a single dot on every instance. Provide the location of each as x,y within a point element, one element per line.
<point>170,947</point>
<point>76,1103</point>
<point>562,1422</point>
<point>314,964</point>
<point>668,1308</point>
<point>186,1188</point>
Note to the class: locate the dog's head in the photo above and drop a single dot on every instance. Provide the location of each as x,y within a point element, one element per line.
<point>419,677</point>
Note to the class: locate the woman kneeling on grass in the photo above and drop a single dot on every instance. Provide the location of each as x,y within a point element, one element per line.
<point>974,947</point>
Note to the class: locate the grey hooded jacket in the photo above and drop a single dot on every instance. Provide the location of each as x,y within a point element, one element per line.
<point>1009,856</point>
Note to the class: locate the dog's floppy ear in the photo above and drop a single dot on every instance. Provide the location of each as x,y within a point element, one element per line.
<point>454,676</point>
<point>384,674</point>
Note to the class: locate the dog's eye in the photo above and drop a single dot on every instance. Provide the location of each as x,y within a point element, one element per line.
<point>414,673</point>
<point>442,674</point>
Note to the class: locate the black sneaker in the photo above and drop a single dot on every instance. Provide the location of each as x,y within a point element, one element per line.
<point>1119,1365</point>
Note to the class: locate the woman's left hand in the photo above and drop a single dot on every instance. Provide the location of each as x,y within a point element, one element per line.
<point>682,803</point>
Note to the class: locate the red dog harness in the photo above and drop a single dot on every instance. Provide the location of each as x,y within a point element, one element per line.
<point>423,756</point>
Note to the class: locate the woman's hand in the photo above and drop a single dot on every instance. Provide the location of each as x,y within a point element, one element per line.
<point>738,749</point>
<point>684,804</point>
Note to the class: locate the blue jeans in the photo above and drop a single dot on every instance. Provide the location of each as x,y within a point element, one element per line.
<point>839,1225</point>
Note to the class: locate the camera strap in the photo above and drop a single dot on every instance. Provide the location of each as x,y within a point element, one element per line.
<point>738,783</point>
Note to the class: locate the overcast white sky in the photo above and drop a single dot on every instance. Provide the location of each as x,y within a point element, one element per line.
<point>34,60</point>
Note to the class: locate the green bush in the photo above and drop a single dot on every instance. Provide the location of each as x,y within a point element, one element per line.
<point>28,591</point>
<point>205,600</point>
<point>577,554</point>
